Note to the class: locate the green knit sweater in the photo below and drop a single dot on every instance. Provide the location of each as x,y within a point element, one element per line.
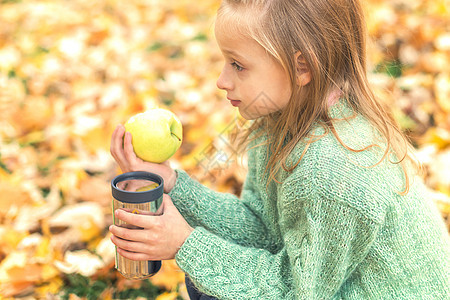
<point>334,228</point>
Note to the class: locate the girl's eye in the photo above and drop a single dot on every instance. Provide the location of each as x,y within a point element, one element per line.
<point>236,66</point>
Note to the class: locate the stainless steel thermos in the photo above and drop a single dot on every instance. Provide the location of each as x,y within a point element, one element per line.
<point>139,193</point>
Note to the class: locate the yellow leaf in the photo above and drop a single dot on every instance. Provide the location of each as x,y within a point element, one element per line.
<point>169,277</point>
<point>10,238</point>
<point>32,138</point>
<point>442,90</point>
<point>43,249</point>
<point>34,115</point>
<point>442,199</point>
<point>86,219</point>
<point>69,179</point>
<point>89,230</point>
<point>440,7</point>
<point>13,259</point>
<point>45,227</point>
<point>107,294</point>
<point>48,272</point>
<point>437,136</point>
<point>97,138</point>
<point>167,296</point>
<point>50,288</point>
<point>95,189</point>
<point>11,189</point>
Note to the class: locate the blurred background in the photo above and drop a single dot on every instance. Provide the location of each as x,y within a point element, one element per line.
<point>70,71</point>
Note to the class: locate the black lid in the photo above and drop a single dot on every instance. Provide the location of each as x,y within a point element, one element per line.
<point>137,197</point>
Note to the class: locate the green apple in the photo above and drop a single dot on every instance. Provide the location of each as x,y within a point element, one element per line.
<point>156,134</point>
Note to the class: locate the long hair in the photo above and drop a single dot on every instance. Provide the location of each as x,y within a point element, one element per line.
<point>331,35</point>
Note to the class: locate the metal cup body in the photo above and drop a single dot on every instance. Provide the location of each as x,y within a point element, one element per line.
<point>131,193</point>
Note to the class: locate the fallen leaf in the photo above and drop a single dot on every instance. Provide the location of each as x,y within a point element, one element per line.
<point>167,296</point>
<point>81,261</point>
<point>79,216</point>
<point>169,276</point>
<point>106,249</point>
<point>12,195</point>
<point>95,189</point>
<point>50,288</point>
<point>10,238</point>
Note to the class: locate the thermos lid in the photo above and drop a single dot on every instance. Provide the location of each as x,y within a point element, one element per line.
<point>137,187</point>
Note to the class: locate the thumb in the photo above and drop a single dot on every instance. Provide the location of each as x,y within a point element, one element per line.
<point>168,207</point>
<point>167,202</point>
<point>165,205</point>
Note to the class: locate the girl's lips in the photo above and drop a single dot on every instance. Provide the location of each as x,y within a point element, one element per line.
<point>235,102</point>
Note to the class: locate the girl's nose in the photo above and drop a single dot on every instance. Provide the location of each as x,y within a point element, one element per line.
<point>224,81</point>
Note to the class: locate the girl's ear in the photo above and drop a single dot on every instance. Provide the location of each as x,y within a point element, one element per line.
<point>303,72</point>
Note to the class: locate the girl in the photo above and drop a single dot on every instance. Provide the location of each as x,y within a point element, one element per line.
<point>331,207</point>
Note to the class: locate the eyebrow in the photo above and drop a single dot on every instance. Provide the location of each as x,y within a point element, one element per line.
<point>233,53</point>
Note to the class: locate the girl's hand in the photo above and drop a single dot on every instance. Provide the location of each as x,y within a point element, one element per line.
<point>123,153</point>
<point>160,237</point>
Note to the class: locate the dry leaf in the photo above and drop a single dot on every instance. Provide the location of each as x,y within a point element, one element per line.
<point>81,215</point>
<point>96,189</point>
<point>167,296</point>
<point>12,195</point>
<point>169,277</point>
<point>82,262</point>
<point>50,288</point>
<point>10,238</point>
<point>106,249</point>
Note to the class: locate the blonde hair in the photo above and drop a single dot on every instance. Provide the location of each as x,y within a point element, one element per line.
<point>331,36</point>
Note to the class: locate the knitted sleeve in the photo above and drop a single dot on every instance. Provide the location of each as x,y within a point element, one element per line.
<point>324,240</point>
<point>225,214</point>
<point>226,270</point>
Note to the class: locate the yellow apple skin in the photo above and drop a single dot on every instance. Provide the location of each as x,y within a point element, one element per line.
<point>156,134</point>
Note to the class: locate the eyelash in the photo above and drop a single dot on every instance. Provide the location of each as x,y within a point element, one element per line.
<point>236,66</point>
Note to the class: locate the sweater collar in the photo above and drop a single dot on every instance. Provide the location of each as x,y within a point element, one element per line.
<point>340,109</point>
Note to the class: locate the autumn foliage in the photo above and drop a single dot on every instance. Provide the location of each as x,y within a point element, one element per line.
<point>70,71</point>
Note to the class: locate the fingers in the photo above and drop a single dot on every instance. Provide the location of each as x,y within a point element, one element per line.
<point>131,250</point>
<point>129,233</point>
<point>134,255</point>
<point>130,156</point>
<point>122,149</point>
<point>128,245</point>
<point>160,210</point>
<point>143,221</point>
<point>116,147</point>
<point>116,140</point>
<point>167,201</point>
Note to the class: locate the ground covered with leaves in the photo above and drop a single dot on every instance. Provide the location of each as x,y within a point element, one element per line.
<point>70,71</point>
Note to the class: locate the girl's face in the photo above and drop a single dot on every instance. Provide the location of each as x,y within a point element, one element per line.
<point>254,81</point>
